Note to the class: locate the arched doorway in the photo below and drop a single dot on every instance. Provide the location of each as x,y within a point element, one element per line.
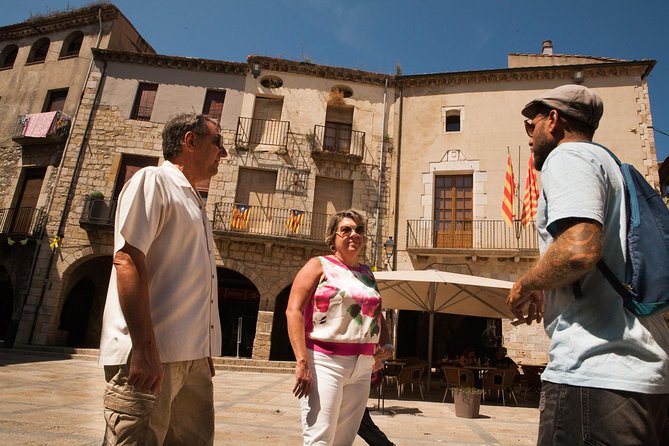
<point>7,332</point>
<point>238,301</point>
<point>74,318</point>
<point>81,315</point>
<point>281,349</point>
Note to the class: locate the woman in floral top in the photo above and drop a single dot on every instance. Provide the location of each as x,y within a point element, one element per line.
<point>338,334</point>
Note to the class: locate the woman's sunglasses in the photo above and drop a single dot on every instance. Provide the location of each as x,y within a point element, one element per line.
<point>348,230</point>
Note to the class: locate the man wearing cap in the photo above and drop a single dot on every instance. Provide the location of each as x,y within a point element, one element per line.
<point>607,379</point>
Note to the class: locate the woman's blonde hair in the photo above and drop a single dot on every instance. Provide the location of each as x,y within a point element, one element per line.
<point>333,223</point>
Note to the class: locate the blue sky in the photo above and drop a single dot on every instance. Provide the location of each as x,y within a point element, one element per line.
<point>423,36</point>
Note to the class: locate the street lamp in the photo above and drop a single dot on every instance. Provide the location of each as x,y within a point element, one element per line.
<point>389,250</point>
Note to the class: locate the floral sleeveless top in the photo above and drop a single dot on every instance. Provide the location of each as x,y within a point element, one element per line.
<point>344,313</point>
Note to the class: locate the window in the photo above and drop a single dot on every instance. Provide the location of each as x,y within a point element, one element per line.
<point>453,211</point>
<point>338,129</point>
<point>72,45</point>
<point>146,96</point>
<point>23,214</point>
<point>213,104</point>
<point>263,131</point>
<point>257,189</point>
<point>8,57</point>
<point>330,196</point>
<point>55,100</point>
<point>452,119</point>
<point>130,164</point>
<point>39,51</point>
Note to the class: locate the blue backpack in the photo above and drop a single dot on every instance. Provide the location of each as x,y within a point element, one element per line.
<point>646,287</point>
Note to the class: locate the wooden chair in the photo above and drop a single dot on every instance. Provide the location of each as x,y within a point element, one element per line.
<point>500,380</point>
<point>457,377</point>
<point>411,374</point>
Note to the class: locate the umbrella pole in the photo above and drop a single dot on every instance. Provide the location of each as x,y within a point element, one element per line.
<point>429,352</point>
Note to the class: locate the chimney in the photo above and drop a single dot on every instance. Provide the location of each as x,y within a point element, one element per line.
<point>547,47</point>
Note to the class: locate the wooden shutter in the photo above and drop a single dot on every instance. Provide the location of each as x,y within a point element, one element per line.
<point>56,100</point>
<point>453,211</point>
<point>146,95</point>
<point>130,164</point>
<point>330,196</point>
<point>24,211</point>
<point>213,104</point>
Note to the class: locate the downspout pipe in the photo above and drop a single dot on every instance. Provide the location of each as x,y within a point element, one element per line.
<point>377,241</point>
<point>75,175</point>
<point>398,184</point>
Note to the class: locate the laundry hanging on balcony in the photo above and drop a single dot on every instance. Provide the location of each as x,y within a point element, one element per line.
<point>40,125</point>
<point>295,221</point>
<point>531,198</point>
<point>240,217</point>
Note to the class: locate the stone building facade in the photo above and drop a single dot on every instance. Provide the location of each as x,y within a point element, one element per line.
<point>422,156</point>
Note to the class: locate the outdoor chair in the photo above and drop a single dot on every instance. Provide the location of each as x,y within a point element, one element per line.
<point>457,377</point>
<point>500,380</point>
<point>413,375</point>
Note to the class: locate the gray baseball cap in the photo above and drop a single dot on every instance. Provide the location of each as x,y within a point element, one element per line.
<point>575,101</point>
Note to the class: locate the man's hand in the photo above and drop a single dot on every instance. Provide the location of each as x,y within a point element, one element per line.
<point>519,298</point>
<point>303,380</point>
<point>146,370</point>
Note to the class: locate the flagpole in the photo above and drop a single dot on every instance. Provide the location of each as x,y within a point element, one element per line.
<point>516,221</point>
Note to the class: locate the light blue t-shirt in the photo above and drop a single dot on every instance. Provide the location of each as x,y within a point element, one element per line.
<point>594,340</point>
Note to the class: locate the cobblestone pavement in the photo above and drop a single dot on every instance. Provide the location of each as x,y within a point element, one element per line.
<point>53,401</point>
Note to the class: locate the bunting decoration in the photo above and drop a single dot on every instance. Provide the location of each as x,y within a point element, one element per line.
<point>240,217</point>
<point>531,198</point>
<point>295,221</point>
<point>508,200</point>
<point>10,241</point>
<point>55,243</point>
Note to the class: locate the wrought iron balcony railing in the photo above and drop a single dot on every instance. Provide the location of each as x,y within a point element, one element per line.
<point>42,128</point>
<point>293,223</point>
<point>254,132</point>
<point>471,234</point>
<point>338,141</point>
<point>98,213</point>
<point>24,222</point>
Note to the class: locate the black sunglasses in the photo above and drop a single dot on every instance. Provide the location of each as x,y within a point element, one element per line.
<point>348,230</point>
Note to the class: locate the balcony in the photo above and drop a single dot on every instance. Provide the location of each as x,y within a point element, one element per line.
<point>98,213</point>
<point>42,128</point>
<point>22,222</point>
<point>231,219</point>
<point>338,143</point>
<point>252,133</point>
<point>478,235</point>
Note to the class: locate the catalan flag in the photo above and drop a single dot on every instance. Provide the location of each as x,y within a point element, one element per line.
<point>295,221</point>
<point>508,200</point>
<point>240,217</point>
<point>531,197</point>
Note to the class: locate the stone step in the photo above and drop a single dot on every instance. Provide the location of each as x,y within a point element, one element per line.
<point>220,363</point>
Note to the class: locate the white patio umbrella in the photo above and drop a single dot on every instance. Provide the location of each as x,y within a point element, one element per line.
<point>443,292</point>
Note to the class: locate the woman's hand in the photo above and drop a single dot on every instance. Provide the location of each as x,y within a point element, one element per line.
<point>303,380</point>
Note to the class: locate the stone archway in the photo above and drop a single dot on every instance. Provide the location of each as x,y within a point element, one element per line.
<point>281,349</point>
<point>238,298</point>
<point>80,320</point>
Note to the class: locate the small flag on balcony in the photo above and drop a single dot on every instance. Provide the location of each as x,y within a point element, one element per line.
<point>508,200</point>
<point>240,217</point>
<point>295,221</point>
<point>531,197</point>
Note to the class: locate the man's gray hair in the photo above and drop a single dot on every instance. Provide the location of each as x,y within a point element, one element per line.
<point>177,127</point>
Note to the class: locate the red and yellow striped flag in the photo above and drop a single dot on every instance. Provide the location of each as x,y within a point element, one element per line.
<point>294,221</point>
<point>509,198</point>
<point>531,198</point>
<point>240,217</point>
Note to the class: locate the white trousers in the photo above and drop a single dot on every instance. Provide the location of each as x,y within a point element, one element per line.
<point>332,412</point>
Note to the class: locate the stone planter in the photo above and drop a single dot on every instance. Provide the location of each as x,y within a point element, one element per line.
<point>467,404</point>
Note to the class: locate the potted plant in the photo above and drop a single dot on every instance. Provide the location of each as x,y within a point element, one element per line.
<point>467,401</point>
<point>96,195</point>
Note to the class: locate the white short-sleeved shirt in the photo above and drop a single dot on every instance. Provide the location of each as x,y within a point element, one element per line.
<point>594,340</point>
<point>161,214</point>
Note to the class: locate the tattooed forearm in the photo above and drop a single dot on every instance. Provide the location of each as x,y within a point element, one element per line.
<point>574,252</point>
